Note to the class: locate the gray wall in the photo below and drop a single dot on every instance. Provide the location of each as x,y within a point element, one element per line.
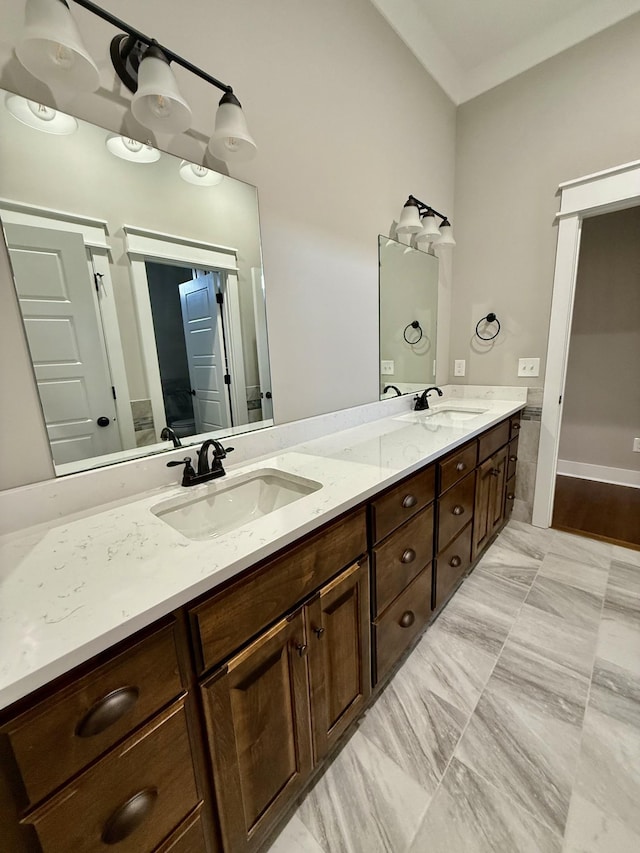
<point>601,412</point>
<point>573,115</point>
<point>341,111</point>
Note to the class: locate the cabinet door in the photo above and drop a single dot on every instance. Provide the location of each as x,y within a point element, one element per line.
<point>489,503</point>
<point>258,725</point>
<point>338,631</point>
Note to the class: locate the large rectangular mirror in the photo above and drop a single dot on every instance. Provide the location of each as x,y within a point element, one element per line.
<point>139,278</point>
<point>408,317</point>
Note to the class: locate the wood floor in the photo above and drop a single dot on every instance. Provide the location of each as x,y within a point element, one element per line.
<point>600,510</point>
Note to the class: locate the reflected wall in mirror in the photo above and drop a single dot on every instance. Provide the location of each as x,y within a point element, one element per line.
<point>139,279</point>
<point>408,317</point>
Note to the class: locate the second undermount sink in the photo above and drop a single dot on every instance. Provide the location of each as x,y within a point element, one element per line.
<point>228,504</point>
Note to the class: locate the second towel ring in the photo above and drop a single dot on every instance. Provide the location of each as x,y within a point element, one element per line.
<point>490,318</point>
<point>413,325</point>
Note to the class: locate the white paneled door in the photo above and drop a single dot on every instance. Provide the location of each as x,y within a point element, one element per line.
<point>203,332</point>
<point>65,338</point>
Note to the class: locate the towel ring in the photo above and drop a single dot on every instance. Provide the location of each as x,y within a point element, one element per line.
<point>490,318</point>
<point>414,325</point>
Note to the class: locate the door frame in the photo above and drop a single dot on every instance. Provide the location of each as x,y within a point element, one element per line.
<point>143,245</point>
<point>592,195</point>
<point>94,234</point>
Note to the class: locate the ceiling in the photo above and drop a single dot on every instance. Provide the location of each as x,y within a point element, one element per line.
<point>470,46</point>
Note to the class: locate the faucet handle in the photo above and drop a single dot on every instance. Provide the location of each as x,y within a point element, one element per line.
<point>188,474</point>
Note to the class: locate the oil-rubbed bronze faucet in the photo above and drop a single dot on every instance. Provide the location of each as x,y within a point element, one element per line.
<point>422,400</point>
<point>206,472</point>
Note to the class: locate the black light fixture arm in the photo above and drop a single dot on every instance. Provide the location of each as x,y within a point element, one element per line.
<point>423,208</point>
<point>139,36</point>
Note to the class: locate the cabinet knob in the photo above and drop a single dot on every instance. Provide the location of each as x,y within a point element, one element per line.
<point>302,649</point>
<point>495,472</point>
<point>408,556</point>
<point>510,496</point>
<point>460,466</point>
<point>408,501</point>
<point>407,619</point>
<point>107,711</point>
<point>455,561</point>
<point>457,510</point>
<point>129,816</point>
<point>516,426</point>
<point>513,459</point>
<point>319,631</point>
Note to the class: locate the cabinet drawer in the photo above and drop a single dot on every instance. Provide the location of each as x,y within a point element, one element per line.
<point>509,497</point>
<point>512,458</point>
<point>402,502</point>
<point>402,622</point>
<point>515,424</point>
<point>65,732</point>
<point>457,465</point>
<point>492,440</point>
<point>455,510</point>
<point>402,556</point>
<point>452,564</point>
<point>188,837</point>
<point>134,797</point>
<point>225,622</point>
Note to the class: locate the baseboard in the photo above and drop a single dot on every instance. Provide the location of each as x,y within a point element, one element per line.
<point>584,471</point>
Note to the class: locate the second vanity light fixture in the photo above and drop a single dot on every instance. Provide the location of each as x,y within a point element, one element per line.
<point>419,219</point>
<point>51,49</point>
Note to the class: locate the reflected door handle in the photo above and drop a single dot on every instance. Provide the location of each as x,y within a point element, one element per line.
<point>103,421</point>
<point>193,393</point>
<point>268,395</point>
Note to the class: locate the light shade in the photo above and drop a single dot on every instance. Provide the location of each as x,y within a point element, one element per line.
<point>130,149</point>
<point>198,175</point>
<point>158,103</point>
<point>446,235</point>
<point>51,47</point>
<point>429,231</point>
<point>231,139</point>
<point>409,219</point>
<point>40,117</point>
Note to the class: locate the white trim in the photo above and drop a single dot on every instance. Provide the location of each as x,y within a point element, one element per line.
<point>600,473</point>
<point>154,245</point>
<point>94,231</point>
<point>585,179</point>
<point>233,345</point>
<point>614,189</point>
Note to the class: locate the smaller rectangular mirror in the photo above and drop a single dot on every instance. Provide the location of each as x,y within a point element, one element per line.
<point>408,317</point>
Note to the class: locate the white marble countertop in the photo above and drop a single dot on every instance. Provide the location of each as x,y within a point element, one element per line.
<point>72,588</point>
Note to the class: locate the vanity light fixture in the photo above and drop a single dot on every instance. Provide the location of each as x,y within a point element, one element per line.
<point>419,219</point>
<point>198,175</point>
<point>40,116</point>
<point>51,49</point>
<point>130,149</point>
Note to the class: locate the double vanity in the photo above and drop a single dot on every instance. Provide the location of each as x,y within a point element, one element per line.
<point>177,668</point>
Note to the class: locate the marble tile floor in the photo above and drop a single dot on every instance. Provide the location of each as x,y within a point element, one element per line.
<point>513,726</point>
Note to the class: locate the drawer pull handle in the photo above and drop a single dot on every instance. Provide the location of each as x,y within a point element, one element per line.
<point>457,510</point>
<point>408,556</point>
<point>129,816</point>
<point>510,496</point>
<point>407,619</point>
<point>495,472</point>
<point>302,649</point>
<point>516,426</point>
<point>107,711</point>
<point>460,466</point>
<point>513,459</point>
<point>408,501</point>
<point>455,561</point>
<point>319,631</point>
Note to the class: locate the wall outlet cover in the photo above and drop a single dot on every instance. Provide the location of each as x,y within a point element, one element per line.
<point>528,367</point>
<point>459,367</point>
<point>387,368</point>
<point>636,445</point>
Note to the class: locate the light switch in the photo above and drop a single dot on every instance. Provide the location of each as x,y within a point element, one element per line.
<point>387,368</point>
<point>528,367</point>
<point>459,367</point>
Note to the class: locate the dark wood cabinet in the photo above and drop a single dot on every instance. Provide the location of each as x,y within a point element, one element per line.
<point>259,734</point>
<point>339,659</point>
<point>489,502</point>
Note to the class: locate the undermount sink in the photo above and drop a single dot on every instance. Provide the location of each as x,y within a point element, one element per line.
<point>452,414</point>
<point>226,505</point>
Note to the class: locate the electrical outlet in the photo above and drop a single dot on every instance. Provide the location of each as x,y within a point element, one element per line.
<point>387,368</point>
<point>636,445</point>
<point>528,367</point>
<point>459,367</point>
